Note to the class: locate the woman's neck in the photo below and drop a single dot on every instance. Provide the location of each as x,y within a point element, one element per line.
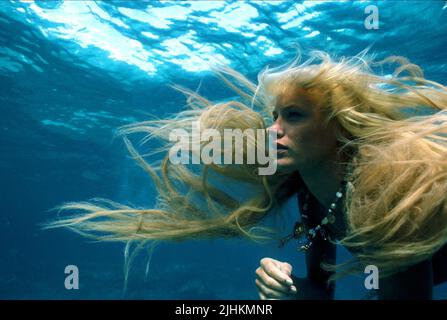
<point>324,180</point>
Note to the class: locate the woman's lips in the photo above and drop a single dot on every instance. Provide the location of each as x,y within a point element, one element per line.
<point>281,149</point>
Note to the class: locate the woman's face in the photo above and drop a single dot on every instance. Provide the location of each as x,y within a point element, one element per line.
<point>304,142</point>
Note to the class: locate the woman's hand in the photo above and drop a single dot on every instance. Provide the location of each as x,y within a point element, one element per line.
<point>274,280</point>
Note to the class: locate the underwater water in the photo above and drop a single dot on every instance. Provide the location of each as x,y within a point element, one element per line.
<point>71,72</point>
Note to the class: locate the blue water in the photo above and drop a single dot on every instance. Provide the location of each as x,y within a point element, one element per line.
<point>72,72</point>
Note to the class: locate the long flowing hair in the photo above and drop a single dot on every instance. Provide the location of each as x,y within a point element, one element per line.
<point>392,127</point>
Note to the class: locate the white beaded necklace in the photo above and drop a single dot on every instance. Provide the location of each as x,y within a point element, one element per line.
<point>306,237</point>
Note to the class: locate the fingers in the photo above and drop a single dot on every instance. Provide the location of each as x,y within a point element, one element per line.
<point>273,269</point>
<point>287,268</point>
<point>266,293</point>
<point>268,281</point>
<point>269,293</point>
<point>273,280</point>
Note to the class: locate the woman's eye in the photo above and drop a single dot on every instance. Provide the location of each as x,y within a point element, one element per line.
<point>294,115</point>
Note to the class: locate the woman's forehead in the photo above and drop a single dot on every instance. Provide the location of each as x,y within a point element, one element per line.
<point>297,97</point>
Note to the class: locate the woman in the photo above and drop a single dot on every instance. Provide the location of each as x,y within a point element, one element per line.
<point>366,155</point>
<point>309,137</point>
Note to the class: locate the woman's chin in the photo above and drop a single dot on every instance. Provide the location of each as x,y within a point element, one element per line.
<point>285,165</point>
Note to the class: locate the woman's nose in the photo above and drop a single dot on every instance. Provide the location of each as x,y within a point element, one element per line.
<point>276,128</point>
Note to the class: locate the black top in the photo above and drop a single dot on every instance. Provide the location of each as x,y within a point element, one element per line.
<point>339,228</point>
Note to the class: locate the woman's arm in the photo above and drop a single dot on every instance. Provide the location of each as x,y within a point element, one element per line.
<point>414,283</point>
<point>315,285</point>
<point>308,289</point>
<point>272,276</point>
<point>439,262</point>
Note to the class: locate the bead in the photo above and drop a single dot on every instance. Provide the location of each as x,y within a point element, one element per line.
<point>299,230</point>
<point>305,239</point>
<point>306,246</point>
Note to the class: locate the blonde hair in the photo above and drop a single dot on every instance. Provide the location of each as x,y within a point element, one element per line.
<point>394,129</point>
